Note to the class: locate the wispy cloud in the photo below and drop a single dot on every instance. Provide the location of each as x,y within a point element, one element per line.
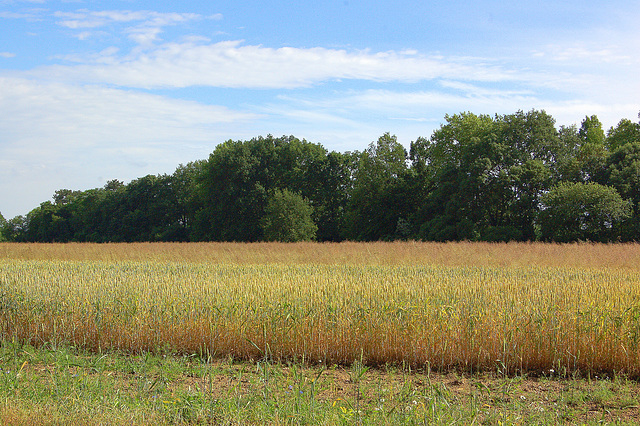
<point>581,52</point>
<point>74,113</point>
<point>30,15</point>
<point>7,55</point>
<point>396,103</point>
<point>233,64</point>
<point>143,27</point>
<point>62,135</point>
<point>22,1</point>
<point>93,19</point>
<point>422,111</point>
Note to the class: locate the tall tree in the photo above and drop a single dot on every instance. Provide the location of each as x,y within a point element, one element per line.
<point>188,193</point>
<point>326,182</point>
<point>456,162</point>
<point>485,175</point>
<point>151,211</point>
<point>592,153</point>
<point>379,199</point>
<point>238,177</point>
<point>531,136</point>
<point>469,184</point>
<point>623,173</point>
<point>44,224</point>
<point>15,229</point>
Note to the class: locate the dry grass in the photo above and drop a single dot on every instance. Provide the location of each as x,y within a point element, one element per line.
<point>513,308</point>
<point>580,255</point>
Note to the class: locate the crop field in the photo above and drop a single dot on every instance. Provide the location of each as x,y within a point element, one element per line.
<point>517,309</point>
<point>402,303</point>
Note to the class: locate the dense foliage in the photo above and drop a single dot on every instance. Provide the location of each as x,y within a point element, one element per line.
<point>478,177</point>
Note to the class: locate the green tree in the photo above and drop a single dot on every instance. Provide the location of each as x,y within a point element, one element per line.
<point>65,196</point>
<point>483,176</point>
<point>3,227</point>
<point>326,182</point>
<point>91,215</point>
<point>150,210</point>
<point>460,167</point>
<point>15,229</point>
<point>582,211</point>
<point>567,167</point>
<point>239,176</point>
<point>288,218</point>
<point>591,131</point>
<point>46,224</point>
<point>380,196</point>
<point>592,152</point>
<point>188,194</point>
<point>584,153</point>
<point>98,213</point>
<point>625,132</point>
<point>623,173</point>
<point>530,136</point>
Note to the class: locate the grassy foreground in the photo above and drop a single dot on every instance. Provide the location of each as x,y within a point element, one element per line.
<point>66,386</point>
<point>381,333</point>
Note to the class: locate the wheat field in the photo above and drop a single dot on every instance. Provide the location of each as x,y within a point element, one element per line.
<point>520,308</point>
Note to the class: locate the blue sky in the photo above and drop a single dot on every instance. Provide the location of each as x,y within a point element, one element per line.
<point>97,90</point>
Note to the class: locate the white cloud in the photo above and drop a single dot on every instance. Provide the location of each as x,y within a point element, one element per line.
<point>33,14</point>
<point>579,53</point>
<point>22,1</point>
<point>337,117</point>
<point>58,135</point>
<point>143,27</point>
<point>390,104</point>
<point>7,55</point>
<point>73,114</point>
<point>93,19</point>
<point>144,35</point>
<point>574,111</point>
<point>232,64</point>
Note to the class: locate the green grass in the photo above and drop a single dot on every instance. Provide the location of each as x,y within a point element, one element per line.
<point>65,386</point>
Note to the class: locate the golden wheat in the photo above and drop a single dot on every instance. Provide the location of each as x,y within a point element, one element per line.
<point>579,255</point>
<point>516,318</point>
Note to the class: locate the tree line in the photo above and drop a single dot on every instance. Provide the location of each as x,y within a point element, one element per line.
<point>514,177</point>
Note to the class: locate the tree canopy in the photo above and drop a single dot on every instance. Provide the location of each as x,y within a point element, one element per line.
<point>477,177</point>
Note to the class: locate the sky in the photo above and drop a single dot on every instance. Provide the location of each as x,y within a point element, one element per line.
<point>92,91</point>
